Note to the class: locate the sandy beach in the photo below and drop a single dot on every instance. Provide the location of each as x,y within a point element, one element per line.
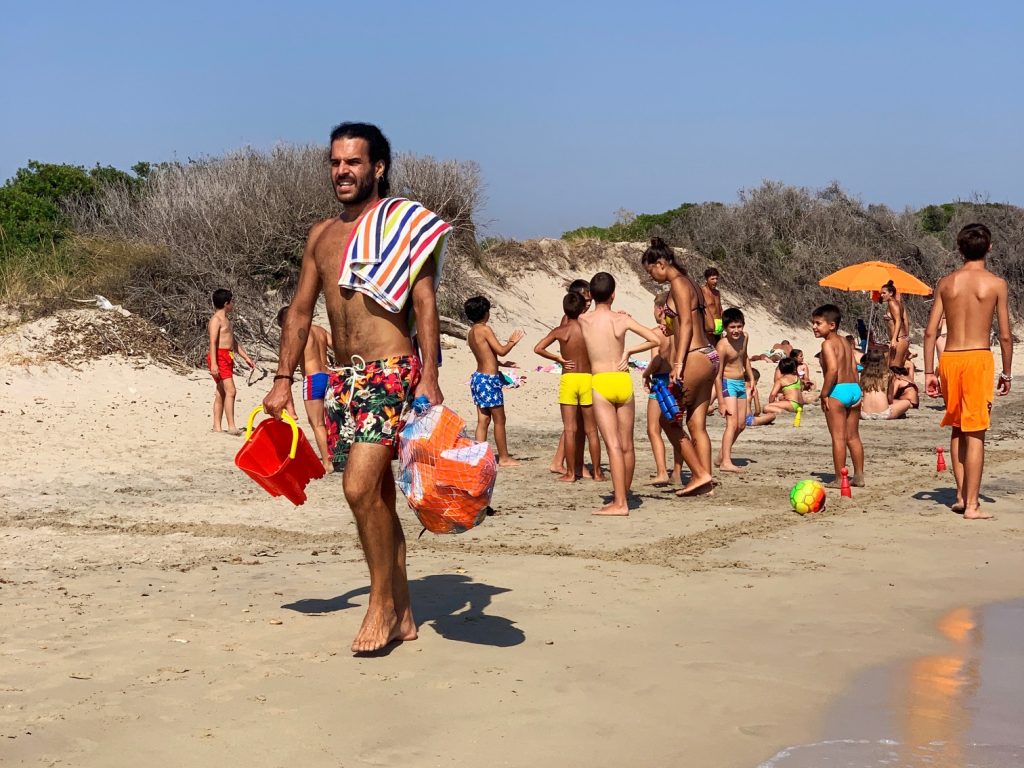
<point>158,608</point>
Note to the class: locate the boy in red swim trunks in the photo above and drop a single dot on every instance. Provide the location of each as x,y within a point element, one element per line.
<point>220,360</point>
<point>968,297</point>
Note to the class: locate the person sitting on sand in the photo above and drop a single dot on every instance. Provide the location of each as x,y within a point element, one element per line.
<point>756,415</point>
<point>604,333</point>
<point>731,384</point>
<point>694,359</point>
<point>486,383</point>
<point>776,353</point>
<point>313,366</point>
<point>220,360</point>
<point>575,387</point>
<point>803,371</point>
<point>657,373</point>
<point>787,393</point>
<point>902,387</point>
<point>878,403</point>
<point>585,425</point>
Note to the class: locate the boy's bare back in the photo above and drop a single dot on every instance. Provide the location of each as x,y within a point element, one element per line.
<point>836,350</point>
<point>220,324</point>
<point>969,300</point>
<point>604,334</point>
<point>571,346</point>
<point>314,356</point>
<point>483,341</point>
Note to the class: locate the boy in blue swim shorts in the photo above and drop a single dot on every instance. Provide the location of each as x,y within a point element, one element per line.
<point>315,379</point>
<point>486,383</point>
<point>840,393</point>
<point>735,378</point>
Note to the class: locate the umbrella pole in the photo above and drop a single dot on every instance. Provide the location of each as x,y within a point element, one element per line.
<point>871,318</point>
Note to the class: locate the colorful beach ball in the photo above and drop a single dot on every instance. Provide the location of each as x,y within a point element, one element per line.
<point>807,496</point>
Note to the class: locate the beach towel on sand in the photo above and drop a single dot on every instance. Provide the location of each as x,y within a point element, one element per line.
<point>387,249</point>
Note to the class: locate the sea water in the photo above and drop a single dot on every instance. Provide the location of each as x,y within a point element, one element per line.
<point>962,707</point>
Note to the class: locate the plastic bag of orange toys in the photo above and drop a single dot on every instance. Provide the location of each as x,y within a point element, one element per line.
<point>446,477</point>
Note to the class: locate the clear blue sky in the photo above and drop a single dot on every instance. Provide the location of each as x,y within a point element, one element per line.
<point>572,109</point>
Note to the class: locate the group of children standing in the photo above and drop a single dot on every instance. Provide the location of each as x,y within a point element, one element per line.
<point>699,354</point>
<point>695,356</point>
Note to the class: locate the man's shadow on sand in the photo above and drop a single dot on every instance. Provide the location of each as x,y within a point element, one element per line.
<point>452,604</point>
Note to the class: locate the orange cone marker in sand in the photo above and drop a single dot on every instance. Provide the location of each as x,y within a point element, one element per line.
<point>940,462</point>
<point>844,486</point>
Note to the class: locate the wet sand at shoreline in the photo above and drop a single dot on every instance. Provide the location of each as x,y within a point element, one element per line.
<point>960,706</point>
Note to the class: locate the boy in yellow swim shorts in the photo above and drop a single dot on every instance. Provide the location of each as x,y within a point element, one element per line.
<point>575,394</point>
<point>604,333</point>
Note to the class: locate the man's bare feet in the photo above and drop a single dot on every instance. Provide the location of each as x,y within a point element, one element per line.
<point>599,477</point>
<point>380,628</point>
<point>612,509</point>
<point>959,506</point>
<point>975,513</point>
<point>556,470</point>
<point>568,477</point>
<point>698,486</point>
<point>660,479</point>
<point>509,462</point>
<point>857,481</point>
<point>730,467</point>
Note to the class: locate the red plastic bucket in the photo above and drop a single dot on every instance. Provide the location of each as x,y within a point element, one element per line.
<point>278,456</point>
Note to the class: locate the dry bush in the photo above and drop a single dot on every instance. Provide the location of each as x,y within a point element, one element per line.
<point>240,221</point>
<point>777,241</point>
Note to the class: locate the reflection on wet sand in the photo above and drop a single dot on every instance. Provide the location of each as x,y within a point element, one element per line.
<point>936,715</point>
<point>961,708</point>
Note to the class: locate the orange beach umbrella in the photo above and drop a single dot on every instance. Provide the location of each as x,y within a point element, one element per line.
<point>872,275</point>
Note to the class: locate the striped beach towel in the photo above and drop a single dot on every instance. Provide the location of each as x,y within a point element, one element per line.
<point>387,249</point>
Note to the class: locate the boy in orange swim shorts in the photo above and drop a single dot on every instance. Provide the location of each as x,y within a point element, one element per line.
<point>968,298</point>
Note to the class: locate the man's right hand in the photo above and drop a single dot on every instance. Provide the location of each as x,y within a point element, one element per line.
<point>279,399</point>
<point>215,373</point>
<point>931,385</point>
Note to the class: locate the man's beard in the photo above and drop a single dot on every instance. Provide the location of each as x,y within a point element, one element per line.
<point>364,191</point>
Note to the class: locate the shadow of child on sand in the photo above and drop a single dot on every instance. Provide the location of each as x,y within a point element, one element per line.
<point>452,604</point>
<point>945,496</point>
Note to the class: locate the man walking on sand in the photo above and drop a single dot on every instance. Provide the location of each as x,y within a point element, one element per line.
<point>968,298</point>
<point>387,252</point>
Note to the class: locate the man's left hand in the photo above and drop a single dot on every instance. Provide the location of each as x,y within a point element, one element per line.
<point>429,388</point>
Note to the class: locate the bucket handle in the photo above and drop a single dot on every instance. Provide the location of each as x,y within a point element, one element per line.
<point>286,417</point>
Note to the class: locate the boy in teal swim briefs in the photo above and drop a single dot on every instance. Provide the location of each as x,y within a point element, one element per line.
<point>735,378</point>
<point>840,392</point>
